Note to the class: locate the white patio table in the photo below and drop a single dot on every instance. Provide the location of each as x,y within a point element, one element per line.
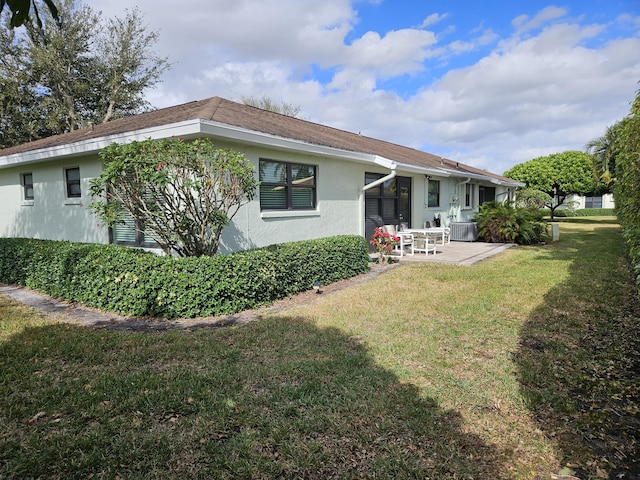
<point>433,231</point>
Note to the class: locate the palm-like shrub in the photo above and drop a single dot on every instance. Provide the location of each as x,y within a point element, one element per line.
<point>504,223</point>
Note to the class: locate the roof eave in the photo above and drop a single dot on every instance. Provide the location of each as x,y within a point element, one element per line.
<point>438,172</point>
<point>195,127</point>
<point>183,129</point>
<point>487,178</point>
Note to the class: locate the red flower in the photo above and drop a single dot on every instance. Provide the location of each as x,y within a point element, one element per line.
<point>384,241</point>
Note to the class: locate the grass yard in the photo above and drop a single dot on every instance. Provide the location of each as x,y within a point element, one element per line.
<point>524,366</point>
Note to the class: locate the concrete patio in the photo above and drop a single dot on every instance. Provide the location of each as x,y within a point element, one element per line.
<point>458,253</point>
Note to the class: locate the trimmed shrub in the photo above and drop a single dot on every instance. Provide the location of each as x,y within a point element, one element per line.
<point>503,223</point>
<point>626,191</point>
<point>582,212</point>
<point>137,283</point>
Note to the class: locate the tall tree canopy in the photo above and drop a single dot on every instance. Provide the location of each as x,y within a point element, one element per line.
<point>604,151</point>
<point>83,71</point>
<point>558,175</point>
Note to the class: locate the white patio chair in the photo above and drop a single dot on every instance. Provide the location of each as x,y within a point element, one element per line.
<point>389,229</point>
<point>423,244</point>
<point>407,243</point>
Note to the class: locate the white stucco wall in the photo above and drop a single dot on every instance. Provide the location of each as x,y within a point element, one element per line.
<point>579,201</point>
<point>53,216</point>
<point>337,212</point>
<point>50,215</point>
<point>451,208</point>
<point>340,202</point>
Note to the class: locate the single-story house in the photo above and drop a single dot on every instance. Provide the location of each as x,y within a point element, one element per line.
<point>330,181</point>
<point>577,202</point>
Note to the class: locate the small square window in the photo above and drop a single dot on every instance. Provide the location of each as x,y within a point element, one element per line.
<point>27,186</point>
<point>72,177</point>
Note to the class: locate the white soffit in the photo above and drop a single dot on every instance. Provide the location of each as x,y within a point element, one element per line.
<point>93,145</point>
<point>194,128</point>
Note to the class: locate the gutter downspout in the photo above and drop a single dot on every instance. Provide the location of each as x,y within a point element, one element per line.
<point>463,182</point>
<point>367,187</point>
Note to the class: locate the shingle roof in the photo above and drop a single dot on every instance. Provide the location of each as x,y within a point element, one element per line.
<point>220,110</point>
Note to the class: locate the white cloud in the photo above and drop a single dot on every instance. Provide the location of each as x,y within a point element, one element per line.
<point>486,38</point>
<point>552,85</point>
<point>398,52</point>
<point>433,19</point>
<point>544,94</point>
<point>524,24</point>
<point>256,79</point>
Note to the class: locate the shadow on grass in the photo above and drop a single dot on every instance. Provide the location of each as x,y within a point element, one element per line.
<point>270,399</point>
<point>579,359</point>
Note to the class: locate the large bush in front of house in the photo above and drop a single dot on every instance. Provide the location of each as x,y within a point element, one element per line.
<point>181,194</point>
<point>504,223</point>
<point>132,282</point>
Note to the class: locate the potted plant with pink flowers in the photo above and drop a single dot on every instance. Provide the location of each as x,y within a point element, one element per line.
<point>383,243</point>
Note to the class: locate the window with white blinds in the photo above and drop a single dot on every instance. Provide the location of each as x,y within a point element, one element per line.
<point>287,186</point>
<point>127,234</point>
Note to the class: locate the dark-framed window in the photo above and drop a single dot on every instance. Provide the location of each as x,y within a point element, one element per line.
<point>130,232</point>
<point>381,200</point>
<point>486,194</point>
<point>287,185</point>
<point>127,234</point>
<point>434,193</point>
<point>27,186</point>
<point>593,202</point>
<point>390,200</point>
<point>72,179</point>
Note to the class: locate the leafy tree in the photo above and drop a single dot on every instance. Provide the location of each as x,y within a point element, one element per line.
<point>129,66</point>
<point>20,118</point>
<point>558,175</point>
<point>180,193</point>
<point>604,150</point>
<point>627,187</point>
<point>86,71</point>
<point>266,103</point>
<point>63,69</point>
<point>22,11</point>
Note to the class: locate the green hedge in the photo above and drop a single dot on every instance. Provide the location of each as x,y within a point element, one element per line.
<point>136,283</point>
<point>583,212</point>
<point>625,191</point>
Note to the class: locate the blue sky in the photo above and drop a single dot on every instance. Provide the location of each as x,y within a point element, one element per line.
<point>490,84</point>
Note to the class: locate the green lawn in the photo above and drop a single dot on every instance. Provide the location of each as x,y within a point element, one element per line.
<point>522,366</point>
